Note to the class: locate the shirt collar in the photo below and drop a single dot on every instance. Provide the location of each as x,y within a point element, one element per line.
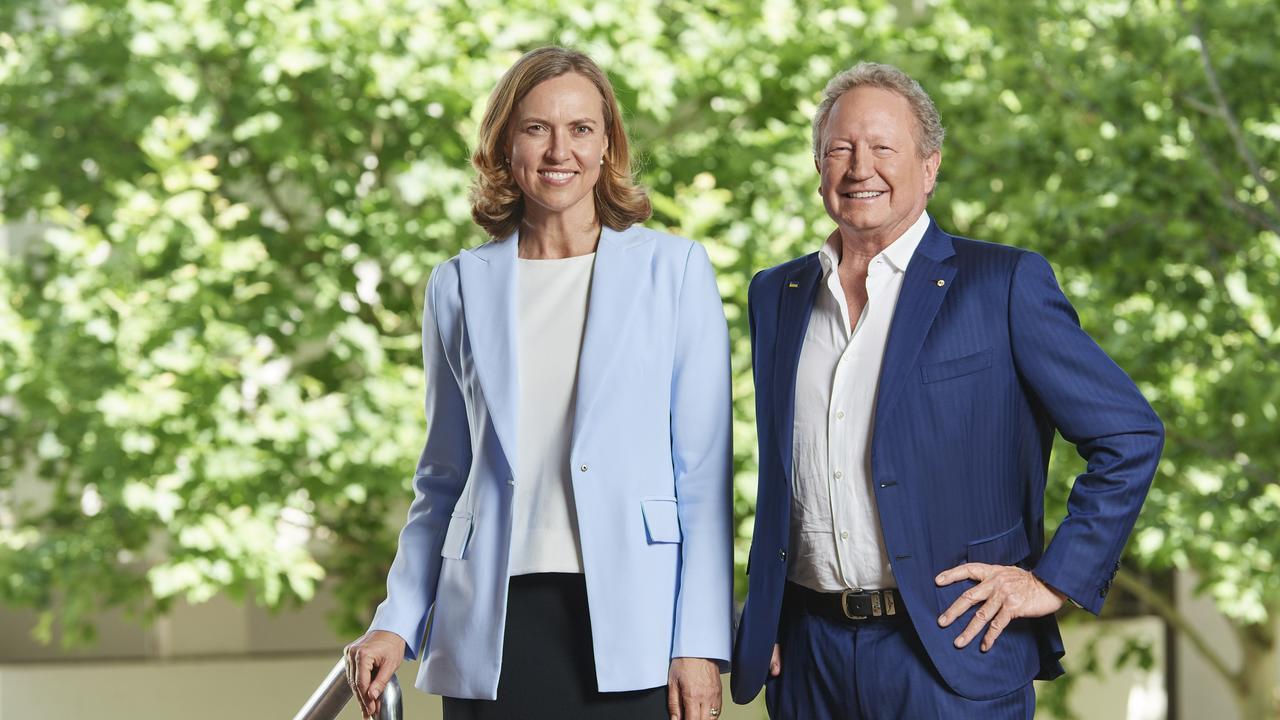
<point>898,253</point>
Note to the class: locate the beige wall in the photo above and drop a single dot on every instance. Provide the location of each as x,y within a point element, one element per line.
<point>206,689</point>
<point>225,660</point>
<point>214,661</point>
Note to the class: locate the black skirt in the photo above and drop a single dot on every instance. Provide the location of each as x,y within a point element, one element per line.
<point>548,670</point>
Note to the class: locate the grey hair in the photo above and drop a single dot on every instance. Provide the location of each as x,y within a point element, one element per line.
<point>929,131</point>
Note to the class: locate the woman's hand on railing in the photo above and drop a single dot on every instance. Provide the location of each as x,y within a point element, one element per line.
<point>371,662</point>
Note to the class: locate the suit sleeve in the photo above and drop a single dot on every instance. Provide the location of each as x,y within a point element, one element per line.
<point>437,483</point>
<point>1097,408</point>
<point>702,455</point>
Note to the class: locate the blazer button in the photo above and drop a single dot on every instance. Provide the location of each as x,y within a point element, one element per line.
<point>583,468</point>
<point>782,554</point>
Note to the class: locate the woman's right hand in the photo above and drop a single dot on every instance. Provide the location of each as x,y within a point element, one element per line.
<point>371,661</point>
<point>775,662</point>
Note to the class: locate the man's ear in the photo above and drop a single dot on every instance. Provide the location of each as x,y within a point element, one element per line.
<point>931,165</point>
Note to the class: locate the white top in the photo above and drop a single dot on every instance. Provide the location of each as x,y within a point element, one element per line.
<point>836,539</point>
<point>552,304</point>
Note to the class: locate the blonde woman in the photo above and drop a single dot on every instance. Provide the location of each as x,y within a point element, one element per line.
<point>568,551</point>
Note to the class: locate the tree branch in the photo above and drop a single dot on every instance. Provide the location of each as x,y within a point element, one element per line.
<point>1201,106</point>
<point>1181,624</point>
<point>1220,453</point>
<point>1259,218</point>
<point>1224,108</point>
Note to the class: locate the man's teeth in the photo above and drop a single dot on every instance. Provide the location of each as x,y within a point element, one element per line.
<point>864,195</point>
<point>557,175</point>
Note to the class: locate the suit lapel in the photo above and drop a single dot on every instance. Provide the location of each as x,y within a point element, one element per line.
<point>489,288</point>
<point>621,266</point>
<point>799,290</point>
<point>928,279</point>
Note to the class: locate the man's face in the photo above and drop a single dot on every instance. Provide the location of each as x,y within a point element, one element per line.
<point>874,182</point>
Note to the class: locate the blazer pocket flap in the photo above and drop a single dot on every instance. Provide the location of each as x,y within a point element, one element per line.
<point>457,536</point>
<point>661,520</point>
<point>1008,548</point>
<point>957,367</point>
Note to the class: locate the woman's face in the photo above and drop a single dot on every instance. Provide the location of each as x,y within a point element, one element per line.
<point>558,140</point>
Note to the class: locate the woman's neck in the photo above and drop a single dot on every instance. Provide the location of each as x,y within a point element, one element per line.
<point>552,237</point>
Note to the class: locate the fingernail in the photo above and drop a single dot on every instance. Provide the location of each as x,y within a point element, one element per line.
<point>938,579</point>
<point>375,692</point>
<point>942,620</point>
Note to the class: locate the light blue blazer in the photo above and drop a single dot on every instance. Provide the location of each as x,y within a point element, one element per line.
<point>651,466</point>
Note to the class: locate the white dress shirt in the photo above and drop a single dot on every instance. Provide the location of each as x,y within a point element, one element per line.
<point>836,539</point>
<point>552,304</point>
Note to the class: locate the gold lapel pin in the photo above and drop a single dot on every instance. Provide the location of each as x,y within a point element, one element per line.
<point>941,283</point>
<point>793,284</point>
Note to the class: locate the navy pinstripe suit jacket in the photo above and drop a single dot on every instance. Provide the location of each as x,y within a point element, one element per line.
<point>985,360</point>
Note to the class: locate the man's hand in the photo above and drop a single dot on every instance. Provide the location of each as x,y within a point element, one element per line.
<point>1005,593</point>
<point>371,661</point>
<point>775,662</point>
<point>693,689</point>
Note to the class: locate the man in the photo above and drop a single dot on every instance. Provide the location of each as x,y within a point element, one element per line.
<point>908,386</point>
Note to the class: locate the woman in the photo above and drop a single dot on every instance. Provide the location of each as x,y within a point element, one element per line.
<point>570,536</point>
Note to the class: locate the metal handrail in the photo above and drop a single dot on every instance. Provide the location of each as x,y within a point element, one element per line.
<point>334,694</point>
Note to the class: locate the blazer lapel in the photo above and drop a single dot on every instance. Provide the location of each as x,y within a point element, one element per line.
<point>489,289</point>
<point>799,290</point>
<point>616,278</point>
<point>925,286</point>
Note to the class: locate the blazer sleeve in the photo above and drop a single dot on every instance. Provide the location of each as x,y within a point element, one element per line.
<point>1097,408</point>
<point>437,483</point>
<point>702,456</point>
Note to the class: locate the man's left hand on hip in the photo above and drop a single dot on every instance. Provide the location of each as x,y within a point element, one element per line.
<point>1003,594</point>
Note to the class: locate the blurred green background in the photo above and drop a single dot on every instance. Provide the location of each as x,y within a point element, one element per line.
<point>219,217</point>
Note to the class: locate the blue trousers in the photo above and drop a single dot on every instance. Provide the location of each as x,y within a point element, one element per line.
<point>874,670</point>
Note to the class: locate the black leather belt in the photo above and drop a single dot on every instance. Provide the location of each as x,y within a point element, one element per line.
<point>852,606</point>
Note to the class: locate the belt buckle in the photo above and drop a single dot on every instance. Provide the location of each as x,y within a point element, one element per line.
<point>844,604</point>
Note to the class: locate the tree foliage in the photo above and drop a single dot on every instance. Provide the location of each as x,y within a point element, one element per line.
<point>222,216</point>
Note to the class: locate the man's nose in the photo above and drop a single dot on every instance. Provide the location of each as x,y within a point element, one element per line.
<point>860,165</point>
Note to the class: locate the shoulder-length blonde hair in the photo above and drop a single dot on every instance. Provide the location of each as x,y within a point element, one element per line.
<point>497,204</point>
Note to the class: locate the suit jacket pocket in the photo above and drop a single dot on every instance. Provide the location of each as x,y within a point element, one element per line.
<point>1007,548</point>
<point>457,536</point>
<point>958,367</point>
<point>661,520</point>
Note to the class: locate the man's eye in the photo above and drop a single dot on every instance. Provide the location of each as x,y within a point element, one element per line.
<point>838,151</point>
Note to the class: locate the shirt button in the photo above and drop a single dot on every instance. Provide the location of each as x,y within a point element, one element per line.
<point>583,468</point>
<point>839,414</point>
<point>839,474</point>
<point>844,534</point>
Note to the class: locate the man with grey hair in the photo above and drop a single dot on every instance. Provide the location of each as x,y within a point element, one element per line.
<point>908,387</point>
